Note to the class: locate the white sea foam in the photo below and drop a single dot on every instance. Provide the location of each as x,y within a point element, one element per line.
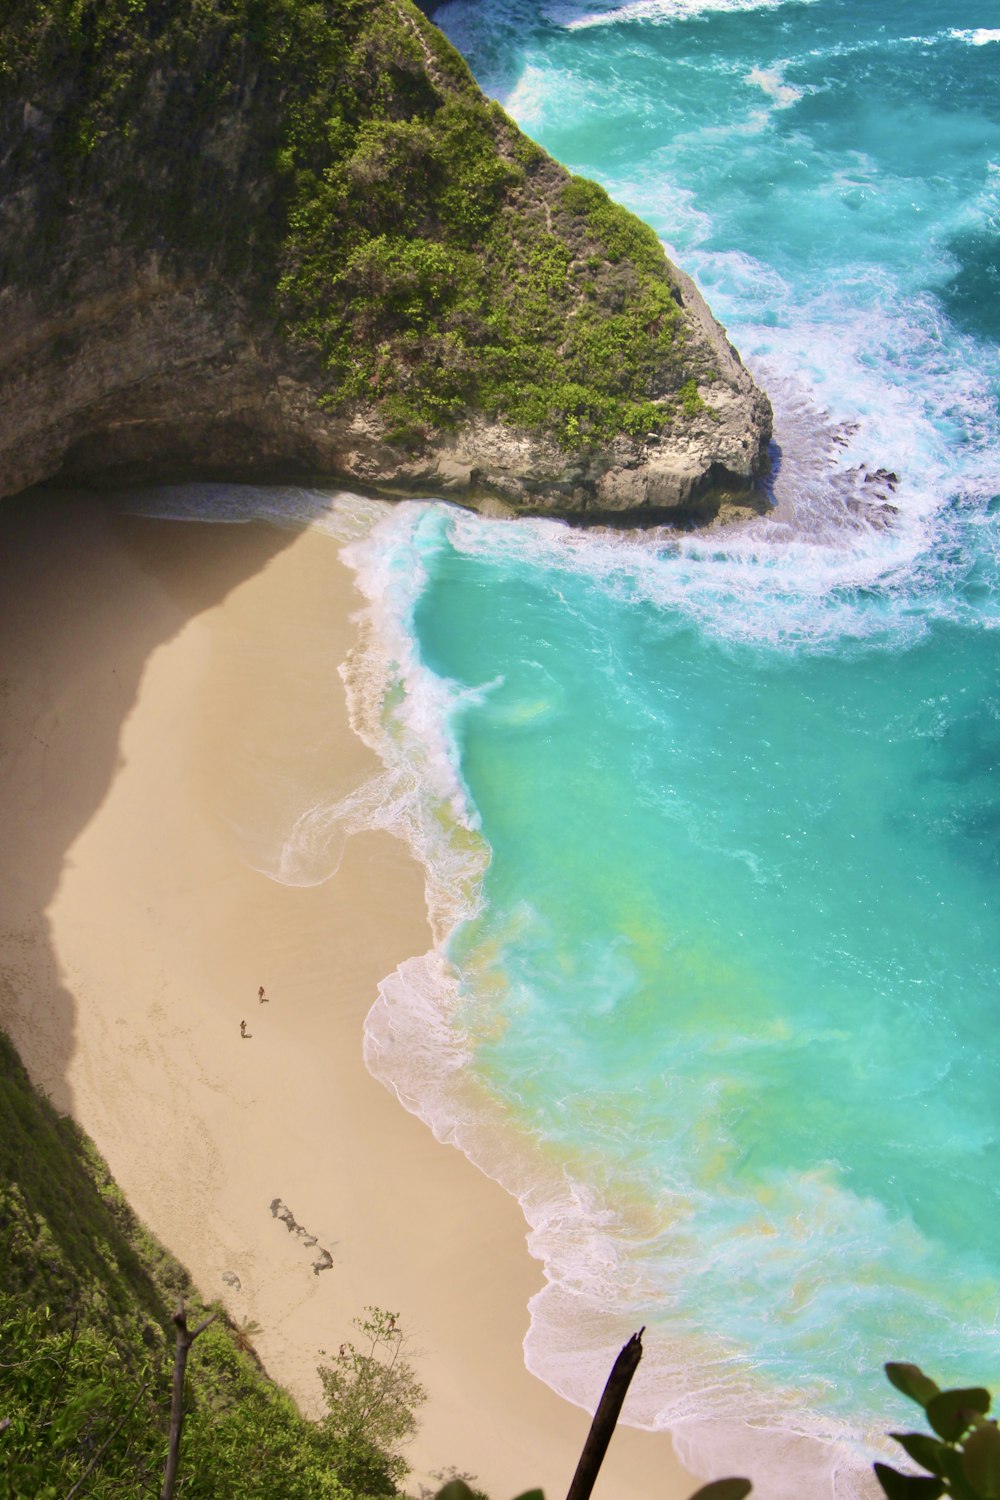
<point>536,92</point>
<point>340,513</point>
<point>824,567</point>
<point>977,37</point>
<point>403,712</point>
<point>981,36</point>
<point>462,20</point>
<point>772,82</point>
<point>574,16</point>
<point>307,849</point>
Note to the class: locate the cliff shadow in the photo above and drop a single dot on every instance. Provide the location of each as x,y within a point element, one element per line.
<point>87,593</point>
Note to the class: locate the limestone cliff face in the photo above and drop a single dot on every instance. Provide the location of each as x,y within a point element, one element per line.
<point>163,311</point>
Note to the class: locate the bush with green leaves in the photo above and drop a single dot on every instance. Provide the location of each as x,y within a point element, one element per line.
<point>77,1409</point>
<point>372,1394</point>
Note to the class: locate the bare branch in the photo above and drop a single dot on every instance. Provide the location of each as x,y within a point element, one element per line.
<point>185,1338</point>
<point>605,1418</point>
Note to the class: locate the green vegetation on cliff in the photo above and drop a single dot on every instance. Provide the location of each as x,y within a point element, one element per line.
<point>86,1351</point>
<point>334,162</point>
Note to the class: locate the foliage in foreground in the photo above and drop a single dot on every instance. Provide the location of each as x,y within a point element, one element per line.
<point>960,1456</point>
<point>334,160</point>
<point>86,1351</point>
<point>87,1410</point>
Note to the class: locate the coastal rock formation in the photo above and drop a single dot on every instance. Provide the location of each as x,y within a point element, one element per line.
<point>252,241</point>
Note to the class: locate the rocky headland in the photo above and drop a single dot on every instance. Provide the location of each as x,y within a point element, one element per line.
<point>293,238</point>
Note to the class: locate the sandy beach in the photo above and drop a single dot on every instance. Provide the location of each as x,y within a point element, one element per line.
<point>170,694</point>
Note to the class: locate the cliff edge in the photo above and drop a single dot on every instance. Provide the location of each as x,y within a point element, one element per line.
<point>246,238</point>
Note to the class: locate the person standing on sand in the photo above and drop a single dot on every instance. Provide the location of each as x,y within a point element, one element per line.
<point>261,997</point>
<point>243,1030</point>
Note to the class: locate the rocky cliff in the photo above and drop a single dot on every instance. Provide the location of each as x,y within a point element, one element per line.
<point>262,237</point>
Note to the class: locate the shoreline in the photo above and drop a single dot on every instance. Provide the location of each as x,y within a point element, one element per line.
<point>170,691</point>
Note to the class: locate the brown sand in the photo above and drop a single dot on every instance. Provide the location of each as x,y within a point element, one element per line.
<point>167,691</point>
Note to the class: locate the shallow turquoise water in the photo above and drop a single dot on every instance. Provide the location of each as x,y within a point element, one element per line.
<point>733,961</point>
<point>742,908</point>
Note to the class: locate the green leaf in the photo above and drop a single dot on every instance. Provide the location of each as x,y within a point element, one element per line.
<point>981,1460</point>
<point>924,1450</point>
<point>532,1495</point>
<point>958,1485</point>
<point>953,1412</point>
<point>724,1489</point>
<point>911,1380</point>
<point>907,1486</point>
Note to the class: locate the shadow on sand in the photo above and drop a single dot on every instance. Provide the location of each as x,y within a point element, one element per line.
<point>87,593</point>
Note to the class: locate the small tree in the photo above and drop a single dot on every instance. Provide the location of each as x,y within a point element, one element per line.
<point>372,1393</point>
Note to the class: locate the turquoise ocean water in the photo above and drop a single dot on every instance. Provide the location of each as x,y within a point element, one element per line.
<point>711,823</point>
<point>720,966</point>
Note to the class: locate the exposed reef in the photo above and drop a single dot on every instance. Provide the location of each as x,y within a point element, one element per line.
<point>294,238</point>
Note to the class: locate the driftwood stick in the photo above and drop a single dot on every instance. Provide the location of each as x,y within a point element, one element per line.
<point>185,1338</point>
<point>605,1418</point>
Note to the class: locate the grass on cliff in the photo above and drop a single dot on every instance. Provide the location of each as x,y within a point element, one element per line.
<point>334,162</point>
<point>86,1348</point>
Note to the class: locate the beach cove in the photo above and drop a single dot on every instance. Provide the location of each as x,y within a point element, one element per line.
<point>704,825</point>
<point>165,684</point>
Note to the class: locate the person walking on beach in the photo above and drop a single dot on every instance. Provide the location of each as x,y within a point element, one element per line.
<point>261,997</point>
<point>243,1031</point>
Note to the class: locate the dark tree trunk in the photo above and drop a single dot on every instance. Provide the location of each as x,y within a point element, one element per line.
<point>605,1418</point>
<point>185,1338</point>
